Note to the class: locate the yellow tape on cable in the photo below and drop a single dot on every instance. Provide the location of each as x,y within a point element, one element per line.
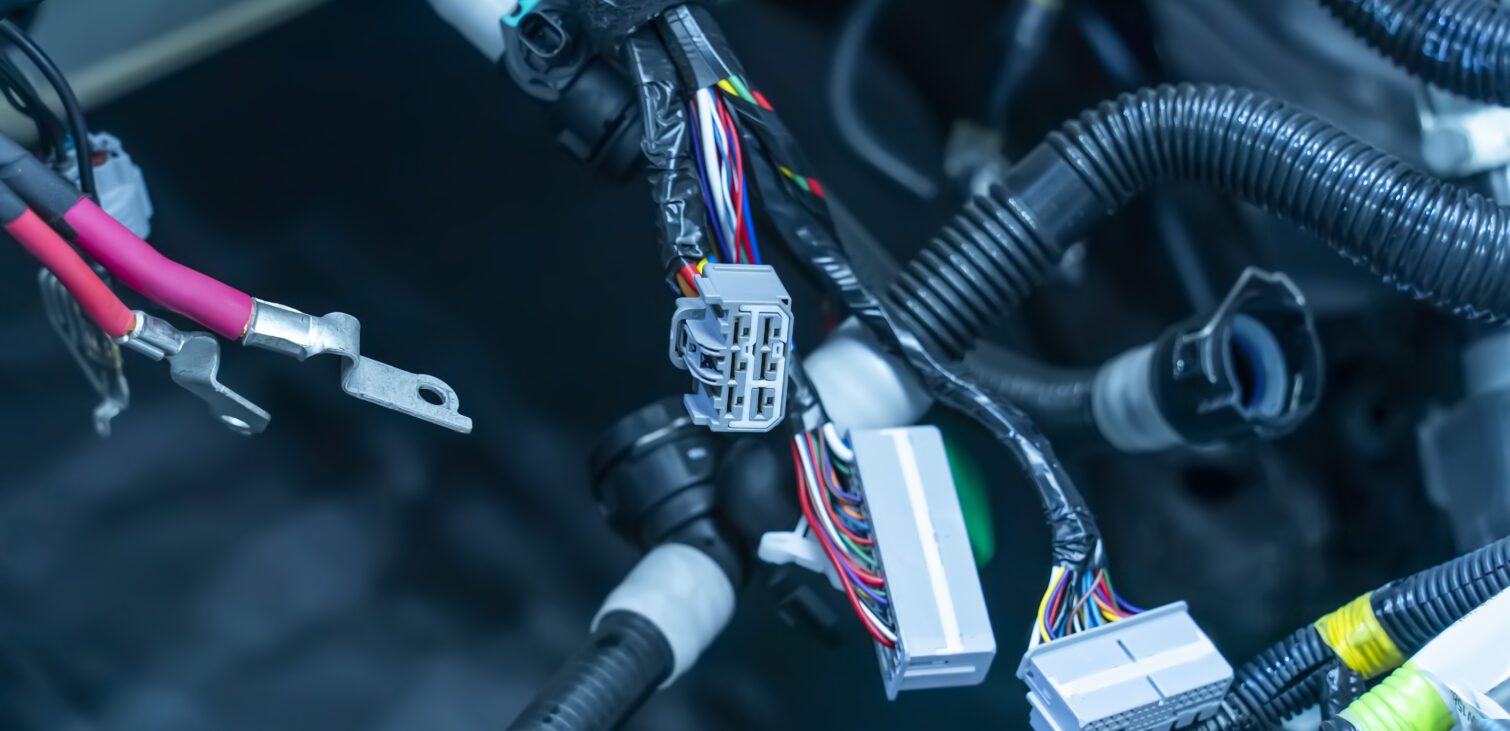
<point>1354,633</point>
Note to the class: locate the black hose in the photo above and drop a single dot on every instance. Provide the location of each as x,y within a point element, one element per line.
<point>1415,610</point>
<point>844,102</point>
<point>1058,399</point>
<point>604,683</point>
<point>1423,235</point>
<point>1278,684</point>
<point>1460,45</point>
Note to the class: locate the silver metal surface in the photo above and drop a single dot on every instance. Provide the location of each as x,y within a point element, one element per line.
<point>194,363</point>
<point>96,353</point>
<point>288,331</point>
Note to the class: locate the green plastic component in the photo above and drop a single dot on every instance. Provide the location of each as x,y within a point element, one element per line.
<point>974,502</point>
<point>1405,701</point>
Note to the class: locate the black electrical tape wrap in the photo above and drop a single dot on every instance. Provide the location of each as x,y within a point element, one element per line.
<point>1460,45</point>
<point>1414,610</point>
<point>674,186</point>
<point>1423,235</point>
<point>1342,686</point>
<point>804,222</point>
<point>1278,684</point>
<point>691,42</point>
<point>623,663</point>
<point>611,22</point>
<point>1057,399</point>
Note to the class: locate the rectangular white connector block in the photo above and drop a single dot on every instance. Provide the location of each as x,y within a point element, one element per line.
<point>944,636</point>
<point>1155,670</point>
<point>734,338</point>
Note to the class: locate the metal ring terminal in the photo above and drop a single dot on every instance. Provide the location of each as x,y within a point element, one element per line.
<point>194,363</point>
<point>288,331</point>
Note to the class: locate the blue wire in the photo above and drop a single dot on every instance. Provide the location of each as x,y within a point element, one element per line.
<point>851,523</point>
<point>702,179</point>
<point>750,226</point>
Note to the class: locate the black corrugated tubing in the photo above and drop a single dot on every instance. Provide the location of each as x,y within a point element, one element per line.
<point>1278,684</point>
<point>1424,236</point>
<point>1459,45</point>
<point>1416,609</point>
<point>601,685</point>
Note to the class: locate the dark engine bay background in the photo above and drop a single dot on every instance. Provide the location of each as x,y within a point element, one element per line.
<point>352,568</point>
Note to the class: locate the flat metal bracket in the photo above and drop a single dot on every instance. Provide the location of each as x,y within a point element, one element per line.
<point>98,355</point>
<point>288,331</point>
<point>194,363</point>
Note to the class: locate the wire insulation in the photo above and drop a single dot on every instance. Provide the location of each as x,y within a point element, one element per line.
<point>102,306</point>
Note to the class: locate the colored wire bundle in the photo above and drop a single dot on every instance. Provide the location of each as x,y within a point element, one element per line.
<point>721,170</point>
<point>835,511</point>
<point>1077,601</point>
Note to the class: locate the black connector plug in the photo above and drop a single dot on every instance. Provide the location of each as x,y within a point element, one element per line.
<point>550,58</point>
<point>1251,368</point>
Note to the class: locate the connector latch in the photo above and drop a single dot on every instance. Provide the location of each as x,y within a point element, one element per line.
<point>735,338</point>
<point>1155,670</point>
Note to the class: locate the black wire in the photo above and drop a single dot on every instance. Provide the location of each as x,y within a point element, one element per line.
<point>77,127</point>
<point>843,90</point>
<point>22,95</point>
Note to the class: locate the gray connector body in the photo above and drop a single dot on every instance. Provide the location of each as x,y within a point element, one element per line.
<point>1155,670</point>
<point>735,338</point>
<point>944,636</point>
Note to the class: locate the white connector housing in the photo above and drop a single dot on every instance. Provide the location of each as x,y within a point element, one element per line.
<point>735,338</point>
<point>1155,670</point>
<point>123,188</point>
<point>944,637</point>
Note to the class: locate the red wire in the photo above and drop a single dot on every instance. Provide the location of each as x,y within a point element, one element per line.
<point>1058,595</point>
<point>98,302</point>
<point>838,523</point>
<point>812,522</point>
<point>689,273</point>
<point>741,236</point>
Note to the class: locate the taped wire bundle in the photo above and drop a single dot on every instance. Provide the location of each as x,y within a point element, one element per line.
<point>797,206</point>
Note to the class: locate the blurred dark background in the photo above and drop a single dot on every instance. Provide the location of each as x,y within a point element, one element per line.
<point>353,568</point>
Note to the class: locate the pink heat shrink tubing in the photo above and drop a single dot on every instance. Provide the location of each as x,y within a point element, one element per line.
<point>209,302</point>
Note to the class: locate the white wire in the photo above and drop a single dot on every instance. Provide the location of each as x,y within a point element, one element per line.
<point>837,445</point>
<point>703,103</point>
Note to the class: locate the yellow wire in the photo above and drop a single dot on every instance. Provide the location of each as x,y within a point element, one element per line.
<point>1043,606</point>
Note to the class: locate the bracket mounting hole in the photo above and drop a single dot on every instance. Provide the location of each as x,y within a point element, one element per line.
<point>432,395</point>
<point>237,424</point>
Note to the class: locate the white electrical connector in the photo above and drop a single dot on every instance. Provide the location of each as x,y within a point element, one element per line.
<point>123,188</point>
<point>1155,670</point>
<point>1469,664</point>
<point>734,337</point>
